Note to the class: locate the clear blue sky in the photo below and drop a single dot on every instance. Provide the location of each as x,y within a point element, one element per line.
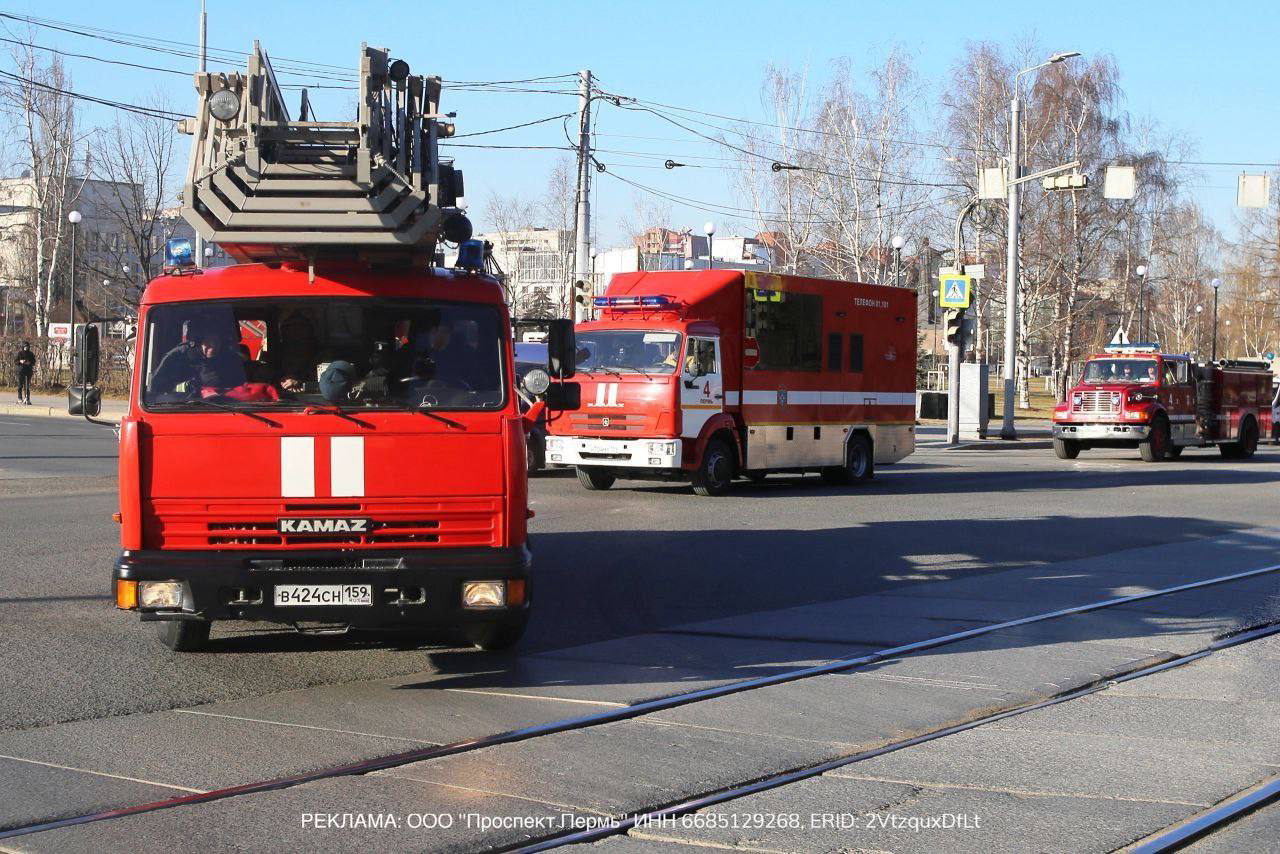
<point>1207,70</point>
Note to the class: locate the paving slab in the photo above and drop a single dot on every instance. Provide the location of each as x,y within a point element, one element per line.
<point>1255,724</point>
<point>859,711</point>
<point>831,814</point>
<point>403,709</point>
<point>1248,673</point>
<point>37,792</point>
<point>750,656</point>
<point>369,813</point>
<point>1153,768</point>
<point>851,621</point>
<point>200,752</point>
<point>618,768</point>
<point>1131,629</point>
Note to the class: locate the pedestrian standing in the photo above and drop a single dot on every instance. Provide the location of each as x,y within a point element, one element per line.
<point>26,363</point>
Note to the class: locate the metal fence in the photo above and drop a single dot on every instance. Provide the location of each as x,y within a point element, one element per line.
<point>52,372</point>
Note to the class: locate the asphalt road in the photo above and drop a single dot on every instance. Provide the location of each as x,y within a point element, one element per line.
<point>646,591</point>
<point>634,559</point>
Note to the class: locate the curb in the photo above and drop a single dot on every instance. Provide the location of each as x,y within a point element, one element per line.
<point>53,412</point>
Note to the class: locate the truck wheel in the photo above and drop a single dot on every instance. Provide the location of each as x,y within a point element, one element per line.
<point>1156,448</point>
<point>497,638</point>
<point>715,473</point>
<point>1066,449</point>
<point>1245,446</point>
<point>184,635</point>
<point>859,463</point>
<point>535,453</point>
<point>593,478</point>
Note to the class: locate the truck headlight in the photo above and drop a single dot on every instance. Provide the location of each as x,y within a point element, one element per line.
<point>159,594</point>
<point>484,594</point>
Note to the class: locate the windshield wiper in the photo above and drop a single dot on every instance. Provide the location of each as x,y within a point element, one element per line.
<point>334,409</point>
<point>636,369</point>
<point>204,401</point>
<point>607,370</point>
<point>449,422</point>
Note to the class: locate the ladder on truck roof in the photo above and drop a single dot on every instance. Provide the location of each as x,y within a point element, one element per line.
<point>267,188</point>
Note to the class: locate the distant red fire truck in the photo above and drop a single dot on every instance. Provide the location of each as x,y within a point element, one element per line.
<point>710,375</point>
<point>1134,396</point>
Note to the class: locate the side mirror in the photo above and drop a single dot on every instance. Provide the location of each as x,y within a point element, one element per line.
<point>85,369</point>
<point>562,349</point>
<point>84,400</point>
<point>564,397</point>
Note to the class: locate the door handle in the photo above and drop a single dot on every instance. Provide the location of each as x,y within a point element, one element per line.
<point>718,396</point>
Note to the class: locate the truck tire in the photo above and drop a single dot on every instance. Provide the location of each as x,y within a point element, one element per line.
<point>1066,449</point>
<point>715,472</point>
<point>1156,448</point>
<point>593,478</point>
<point>497,637</point>
<point>184,635</point>
<point>1245,446</point>
<point>859,463</point>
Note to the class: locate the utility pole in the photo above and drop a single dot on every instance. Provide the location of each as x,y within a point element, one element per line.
<point>1007,430</point>
<point>204,55</point>
<point>582,222</point>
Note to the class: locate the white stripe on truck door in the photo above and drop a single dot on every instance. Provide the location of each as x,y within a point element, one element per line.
<point>297,466</point>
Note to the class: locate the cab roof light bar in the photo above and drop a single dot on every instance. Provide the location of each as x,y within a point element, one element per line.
<point>1132,348</point>
<point>634,302</point>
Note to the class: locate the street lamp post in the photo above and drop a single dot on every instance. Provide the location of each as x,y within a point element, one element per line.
<point>74,218</point>
<point>1141,270</point>
<point>1199,328</point>
<point>1014,172</point>
<point>710,229</point>
<point>897,243</point>
<point>1217,283</point>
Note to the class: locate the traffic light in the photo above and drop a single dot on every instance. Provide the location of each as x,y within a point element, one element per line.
<point>582,293</point>
<point>955,327</point>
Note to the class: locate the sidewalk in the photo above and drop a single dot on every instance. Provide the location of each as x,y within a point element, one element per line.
<point>56,405</point>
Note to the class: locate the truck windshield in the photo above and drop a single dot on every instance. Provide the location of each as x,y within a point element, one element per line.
<point>1120,371</point>
<point>633,351</point>
<point>355,353</point>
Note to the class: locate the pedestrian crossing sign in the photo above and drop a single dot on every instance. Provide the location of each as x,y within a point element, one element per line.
<point>955,290</point>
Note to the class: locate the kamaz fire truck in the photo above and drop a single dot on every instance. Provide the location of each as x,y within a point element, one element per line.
<point>325,435</point>
<point>710,375</point>
<point>1134,396</point>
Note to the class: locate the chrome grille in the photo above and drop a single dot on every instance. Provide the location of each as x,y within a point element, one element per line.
<point>1096,402</point>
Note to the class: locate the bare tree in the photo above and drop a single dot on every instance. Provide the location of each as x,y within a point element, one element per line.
<point>136,165</point>
<point>44,114</point>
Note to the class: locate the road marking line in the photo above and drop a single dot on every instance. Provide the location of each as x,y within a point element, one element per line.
<point>538,697</point>
<point>304,726</point>
<point>104,774</point>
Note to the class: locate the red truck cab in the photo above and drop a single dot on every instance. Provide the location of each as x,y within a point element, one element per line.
<point>334,447</point>
<point>710,375</point>
<point>1133,396</point>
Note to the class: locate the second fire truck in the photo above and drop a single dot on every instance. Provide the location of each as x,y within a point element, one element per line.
<point>710,375</point>
<point>1134,396</point>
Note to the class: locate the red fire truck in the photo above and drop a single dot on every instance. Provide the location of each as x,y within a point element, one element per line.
<point>1134,396</point>
<point>713,374</point>
<point>329,438</point>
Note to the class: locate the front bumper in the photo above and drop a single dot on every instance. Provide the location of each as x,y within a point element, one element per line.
<point>1102,432</point>
<point>614,453</point>
<point>419,589</point>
